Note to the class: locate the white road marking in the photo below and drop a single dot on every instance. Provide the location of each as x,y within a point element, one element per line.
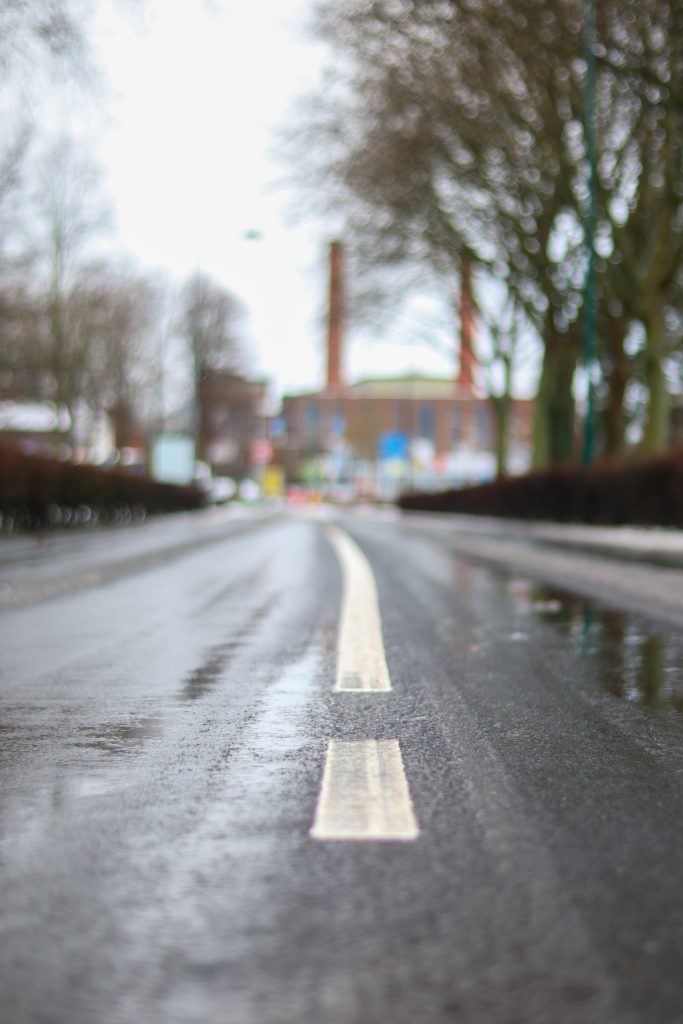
<point>361,662</point>
<point>364,793</point>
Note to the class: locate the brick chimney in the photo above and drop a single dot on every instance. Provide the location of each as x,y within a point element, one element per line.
<point>465,378</point>
<point>335,319</point>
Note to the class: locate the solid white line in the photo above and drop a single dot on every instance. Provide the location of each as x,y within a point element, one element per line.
<point>364,793</point>
<point>361,661</point>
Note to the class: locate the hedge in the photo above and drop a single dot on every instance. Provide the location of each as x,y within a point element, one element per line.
<point>646,492</point>
<point>37,491</point>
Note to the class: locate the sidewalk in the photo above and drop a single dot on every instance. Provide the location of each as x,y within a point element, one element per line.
<point>651,545</point>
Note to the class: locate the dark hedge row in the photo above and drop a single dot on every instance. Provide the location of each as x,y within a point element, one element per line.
<point>647,492</point>
<point>37,491</point>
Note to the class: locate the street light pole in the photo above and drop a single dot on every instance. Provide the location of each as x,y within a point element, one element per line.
<point>589,306</point>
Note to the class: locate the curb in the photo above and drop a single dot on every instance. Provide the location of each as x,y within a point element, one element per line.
<point>651,545</point>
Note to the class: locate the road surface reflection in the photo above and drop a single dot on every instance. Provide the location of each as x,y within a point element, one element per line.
<point>638,662</point>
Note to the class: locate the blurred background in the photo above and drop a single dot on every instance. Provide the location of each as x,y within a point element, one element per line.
<point>338,249</point>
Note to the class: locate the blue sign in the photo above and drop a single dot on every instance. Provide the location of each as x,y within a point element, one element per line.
<point>393,445</point>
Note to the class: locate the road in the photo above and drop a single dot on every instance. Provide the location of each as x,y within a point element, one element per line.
<point>344,768</point>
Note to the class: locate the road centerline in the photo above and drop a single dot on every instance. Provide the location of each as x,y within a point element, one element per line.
<point>361,659</point>
<point>364,793</point>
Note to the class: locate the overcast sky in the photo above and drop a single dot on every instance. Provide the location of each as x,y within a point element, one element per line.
<point>196,91</point>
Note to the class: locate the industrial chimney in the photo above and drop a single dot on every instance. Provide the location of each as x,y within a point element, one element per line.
<point>335,318</point>
<point>465,379</point>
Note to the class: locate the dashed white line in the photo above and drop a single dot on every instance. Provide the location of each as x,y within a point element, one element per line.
<point>364,793</point>
<point>361,661</point>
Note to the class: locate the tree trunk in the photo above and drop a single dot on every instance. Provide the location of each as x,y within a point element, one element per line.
<point>539,453</point>
<point>501,421</point>
<point>554,408</point>
<point>561,412</point>
<point>614,419</point>
<point>656,435</point>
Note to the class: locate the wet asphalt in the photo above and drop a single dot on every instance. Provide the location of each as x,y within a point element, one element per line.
<point>165,708</point>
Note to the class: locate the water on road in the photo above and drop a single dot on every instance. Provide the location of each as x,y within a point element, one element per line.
<point>260,768</point>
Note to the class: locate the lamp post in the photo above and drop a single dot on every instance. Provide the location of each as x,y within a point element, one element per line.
<point>589,304</point>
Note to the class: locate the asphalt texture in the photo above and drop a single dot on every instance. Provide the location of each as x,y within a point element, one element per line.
<point>166,706</point>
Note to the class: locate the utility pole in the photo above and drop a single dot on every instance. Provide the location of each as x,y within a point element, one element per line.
<point>589,304</point>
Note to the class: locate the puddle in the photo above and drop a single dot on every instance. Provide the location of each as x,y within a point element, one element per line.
<point>201,680</point>
<point>636,661</point>
<point>112,740</point>
<point>118,738</point>
<point>204,678</point>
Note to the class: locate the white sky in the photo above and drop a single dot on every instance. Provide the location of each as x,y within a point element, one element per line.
<point>195,93</point>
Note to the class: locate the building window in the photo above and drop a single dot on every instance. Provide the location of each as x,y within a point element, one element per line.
<point>426,421</point>
<point>456,427</point>
<point>513,421</point>
<point>483,427</point>
<point>336,425</point>
<point>312,421</point>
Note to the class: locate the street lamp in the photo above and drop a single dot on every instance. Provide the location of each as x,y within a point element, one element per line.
<point>589,310</point>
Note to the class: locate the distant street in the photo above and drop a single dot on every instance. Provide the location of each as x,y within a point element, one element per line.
<point>337,767</point>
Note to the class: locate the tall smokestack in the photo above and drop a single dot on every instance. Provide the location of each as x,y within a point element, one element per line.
<point>335,318</point>
<point>465,378</point>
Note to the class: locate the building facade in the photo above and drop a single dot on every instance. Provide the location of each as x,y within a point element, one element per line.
<point>232,423</point>
<point>381,436</point>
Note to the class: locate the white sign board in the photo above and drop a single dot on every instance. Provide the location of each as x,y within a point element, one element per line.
<point>173,459</point>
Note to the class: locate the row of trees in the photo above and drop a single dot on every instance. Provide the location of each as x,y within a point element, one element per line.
<point>451,134</point>
<point>78,326</point>
<point>90,333</point>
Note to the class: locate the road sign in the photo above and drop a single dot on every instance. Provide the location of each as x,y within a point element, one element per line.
<point>273,482</point>
<point>393,445</point>
<point>173,458</point>
<point>261,452</point>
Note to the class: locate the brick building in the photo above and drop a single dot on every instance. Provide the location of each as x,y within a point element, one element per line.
<point>231,422</point>
<point>384,434</point>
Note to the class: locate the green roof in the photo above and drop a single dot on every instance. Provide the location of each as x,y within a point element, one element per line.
<point>406,386</point>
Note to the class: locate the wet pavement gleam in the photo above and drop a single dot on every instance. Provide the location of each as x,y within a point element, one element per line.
<point>639,662</point>
<point>163,734</point>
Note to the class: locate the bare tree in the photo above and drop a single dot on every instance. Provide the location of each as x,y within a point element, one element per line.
<point>453,130</point>
<point>30,30</point>
<point>68,213</point>
<point>37,38</point>
<point>642,195</point>
<point>444,142</point>
<point>22,367</point>
<point>112,315</point>
<point>210,321</point>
